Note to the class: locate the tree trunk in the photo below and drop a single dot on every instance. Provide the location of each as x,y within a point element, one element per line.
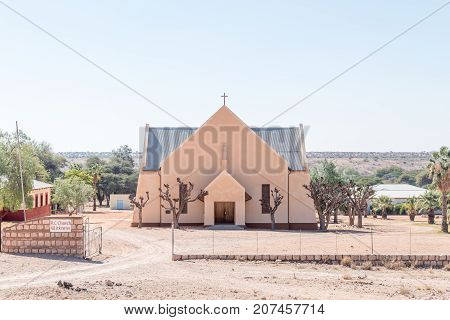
<point>175,221</point>
<point>107,200</point>
<point>140,218</point>
<point>94,208</point>
<point>335,216</point>
<point>272,219</point>
<point>360,219</point>
<point>351,217</point>
<point>322,223</point>
<point>412,216</point>
<point>431,217</point>
<point>384,214</point>
<point>444,227</point>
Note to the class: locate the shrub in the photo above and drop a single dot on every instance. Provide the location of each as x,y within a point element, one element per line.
<point>366,265</point>
<point>346,262</point>
<point>394,265</point>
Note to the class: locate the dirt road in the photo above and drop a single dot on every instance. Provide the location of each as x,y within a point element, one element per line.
<point>136,264</point>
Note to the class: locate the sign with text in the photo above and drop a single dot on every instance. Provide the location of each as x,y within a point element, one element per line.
<point>60,225</point>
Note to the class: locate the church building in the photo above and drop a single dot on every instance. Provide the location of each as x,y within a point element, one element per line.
<point>236,164</point>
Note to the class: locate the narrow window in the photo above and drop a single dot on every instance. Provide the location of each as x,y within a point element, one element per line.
<point>42,199</point>
<point>265,197</point>
<point>182,190</point>
<point>36,201</point>
<point>46,199</point>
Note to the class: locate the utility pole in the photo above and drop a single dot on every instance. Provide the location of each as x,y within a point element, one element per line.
<point>21,173</point>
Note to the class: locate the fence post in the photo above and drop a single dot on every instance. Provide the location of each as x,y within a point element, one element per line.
<point>173,240</point>
<point>336,242</point>
<point>410,240</point>
<point>213,241</point>
<point>257,243</point>
<point>300,241</point>
<point>371,238</point>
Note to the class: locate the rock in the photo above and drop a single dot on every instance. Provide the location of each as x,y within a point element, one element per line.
<point>118,284</point>
<point>65,284</point>
<point>109,283</point>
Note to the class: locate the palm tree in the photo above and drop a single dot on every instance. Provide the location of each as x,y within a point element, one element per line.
<point>95,170</point>
<point>438,169</point>
<point>410,207</point>
<point>428,203</point>
<point>383,203</point>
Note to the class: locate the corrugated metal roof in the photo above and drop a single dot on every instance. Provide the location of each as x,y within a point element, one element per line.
<point>163,141</point>
<point>397,191</point>
<point>40,185</point>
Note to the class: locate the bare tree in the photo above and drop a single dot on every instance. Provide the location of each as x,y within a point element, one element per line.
<point>358,196</point>
<point>176,205</point>
<point>327,198</point>
<point>140,205</point>
<point>277,199</point>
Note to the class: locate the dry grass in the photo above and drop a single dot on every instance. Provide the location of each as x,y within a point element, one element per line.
<point>366,265</point>
<point>346,262</point>
<point>394,265</point>
<point>346,276</point>
<point>404,291</point>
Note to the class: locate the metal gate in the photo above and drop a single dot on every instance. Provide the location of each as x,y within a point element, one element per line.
<point>92,240</point>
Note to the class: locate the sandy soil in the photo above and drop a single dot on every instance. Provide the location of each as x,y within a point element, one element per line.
<point>136,264</point>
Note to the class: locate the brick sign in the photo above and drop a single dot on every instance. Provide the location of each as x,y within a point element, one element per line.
<point>60,225</point>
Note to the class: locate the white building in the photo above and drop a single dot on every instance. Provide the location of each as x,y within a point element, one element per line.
<point>399,193</point>
<point>119,202</point>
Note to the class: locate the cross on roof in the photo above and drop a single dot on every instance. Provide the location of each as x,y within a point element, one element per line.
<point>224,97</point>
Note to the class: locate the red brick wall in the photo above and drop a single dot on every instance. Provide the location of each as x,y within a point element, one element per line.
<point>34,236</point>
<point>31,213</point>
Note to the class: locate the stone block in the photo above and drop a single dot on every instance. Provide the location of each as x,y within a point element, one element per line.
<point>40,227</point>
<point>33,227</point>
<point>46,221</point>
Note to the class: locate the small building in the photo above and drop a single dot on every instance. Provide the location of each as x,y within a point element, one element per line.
<point>399,193</point>
<point>41,194</point>
<point>120,202</point>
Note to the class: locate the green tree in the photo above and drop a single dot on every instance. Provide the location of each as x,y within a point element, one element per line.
<point>52,162</point>
<point>328,172</point>
<point>71,194</point>
<point>428,203</point>
<point>76,171</point>
<point>389,174</point>
<point>438,168</point>
<point>95,171</point>
<point>423,179</point>
<point>32,168</point>
<point>119,174</point>
<point>411,206</point>
<point>383,203</point>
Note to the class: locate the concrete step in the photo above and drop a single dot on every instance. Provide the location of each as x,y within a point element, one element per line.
<point>225,227</point>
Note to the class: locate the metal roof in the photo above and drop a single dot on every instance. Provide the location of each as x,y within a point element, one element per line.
<point>41,185</point>
<point>398,191</point>
<point>163,141</point>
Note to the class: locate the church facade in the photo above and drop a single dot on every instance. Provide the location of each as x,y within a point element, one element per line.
<point>238,165</point>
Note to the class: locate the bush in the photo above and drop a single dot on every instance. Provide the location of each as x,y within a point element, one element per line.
<point>366,265</point>
<point>394,265</point>
<point>346,262</point>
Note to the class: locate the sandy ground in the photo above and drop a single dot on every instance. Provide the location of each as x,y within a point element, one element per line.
<point>136,264</point>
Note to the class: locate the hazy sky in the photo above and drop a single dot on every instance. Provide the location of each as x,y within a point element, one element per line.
<point>266,55</point>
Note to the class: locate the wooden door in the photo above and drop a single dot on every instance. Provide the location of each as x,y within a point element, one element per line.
<point>223,212</point>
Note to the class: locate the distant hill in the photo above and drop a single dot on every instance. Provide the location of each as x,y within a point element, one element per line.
<point>364,162</point>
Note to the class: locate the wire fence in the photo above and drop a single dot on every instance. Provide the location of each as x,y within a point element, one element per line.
<point>367,241</point>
